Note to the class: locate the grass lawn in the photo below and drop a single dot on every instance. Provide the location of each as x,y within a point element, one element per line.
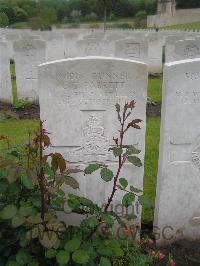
<point>155,90</point>
<point>13,79</point>
<point>188,26</point>
<point>17,130</point>
<point>151,162</point>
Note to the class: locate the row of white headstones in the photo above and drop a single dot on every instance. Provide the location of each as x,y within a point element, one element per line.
<point>29,49</point>
<point>77,98</point>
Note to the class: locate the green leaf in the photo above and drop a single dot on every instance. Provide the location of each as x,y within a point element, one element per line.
<point>70,181</point>
<point>33,263</point>
<point>105,251</point>
<point>106,174</point>
<point>50,253</point>
<point>3,185</point>
<point>91,168</point>
<point>131,216</point>
<point>123,182</point>
<point>26,209</point>
<point>73,244</point>
<point>80,256</point>
<point>26,182</point>
<point>17,220</point>
<point>135,161</point>
<point>108,219</point>
<point>62,257</point>
<point>23,257</point>
<point>128,199</point>
<point>8,212</point>
<point>145,202</point>
<point>117,151</point>
<point>133,150</point>
<point>90,222</point>
<point>105,262</point>
<point>12,263</point>
<point>135,190</point>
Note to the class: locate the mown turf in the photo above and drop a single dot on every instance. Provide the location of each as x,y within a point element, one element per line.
<point>188,26</point>
<point>155,90</point>
<point>17,130</point>
<point>13,79</point>
<point>151,162</point>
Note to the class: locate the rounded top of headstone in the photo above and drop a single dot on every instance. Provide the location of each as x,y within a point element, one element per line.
<point>97,58</point>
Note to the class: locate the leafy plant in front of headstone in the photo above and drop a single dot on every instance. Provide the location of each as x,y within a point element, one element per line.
<point>30,194</point>
<point>104,237</point>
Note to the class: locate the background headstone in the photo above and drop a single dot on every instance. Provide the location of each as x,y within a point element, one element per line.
<point>177,212</point>
<point>28,54</point>
<point>5,77</point>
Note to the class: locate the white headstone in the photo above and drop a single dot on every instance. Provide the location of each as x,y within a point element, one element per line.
<point>170,47</point>
<point>28,54</point>
<point>77,101</point>
<point>5,77</point>
<point>54,47</point>
<point>93,47</point>
<point>187,49</point>
<point>135,49</point>
<point>177,213</point>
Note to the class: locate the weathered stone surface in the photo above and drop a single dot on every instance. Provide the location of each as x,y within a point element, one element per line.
<point>5,77</point>
<point>135,49</point>
<point>28,54</point>
<point>187,49</point>
<point>77,100</point>
<point>177,213</point>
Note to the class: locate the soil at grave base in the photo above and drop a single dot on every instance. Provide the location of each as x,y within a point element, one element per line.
<point>33,111</point>
<point>185,253</point>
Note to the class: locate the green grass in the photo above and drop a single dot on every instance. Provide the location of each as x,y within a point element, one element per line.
<point>188,26</point>
<point>155,90</point>
<point>17,130</point>
<point>151,162</point>
<point>13,79</point>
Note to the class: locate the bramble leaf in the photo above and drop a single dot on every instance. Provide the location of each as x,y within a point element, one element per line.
<point>91,168</point>
<point>8,212</point>
<point>105,262</point>
<point>117,151</point>
<point>128,199</point>
<point>80,256</point>
<point>62,257</point>
<point>123,182</point>
<point>106,174</point>
<point>133,150</point>
<point>73,244</point>
<point>135,161</point>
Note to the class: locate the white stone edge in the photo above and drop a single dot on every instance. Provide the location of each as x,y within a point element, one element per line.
<point>185,61</point>
<point>92,57</point>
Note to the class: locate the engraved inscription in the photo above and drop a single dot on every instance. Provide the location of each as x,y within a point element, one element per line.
<point>93,48</point>
<point>94,138</point>
<point>192,75</point>
<point>101,88</point>
<point>196,153</point>
<point>189,97</point>
<point>132,49</point>
<point>191,51</point>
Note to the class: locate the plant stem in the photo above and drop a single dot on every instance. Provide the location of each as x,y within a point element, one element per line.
<point>41,175</point>
<point>120,162</point>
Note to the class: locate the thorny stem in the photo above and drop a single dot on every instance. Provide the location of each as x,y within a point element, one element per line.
<point>29,144</point>
<point>41,175</point>
<point>121,159</point>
